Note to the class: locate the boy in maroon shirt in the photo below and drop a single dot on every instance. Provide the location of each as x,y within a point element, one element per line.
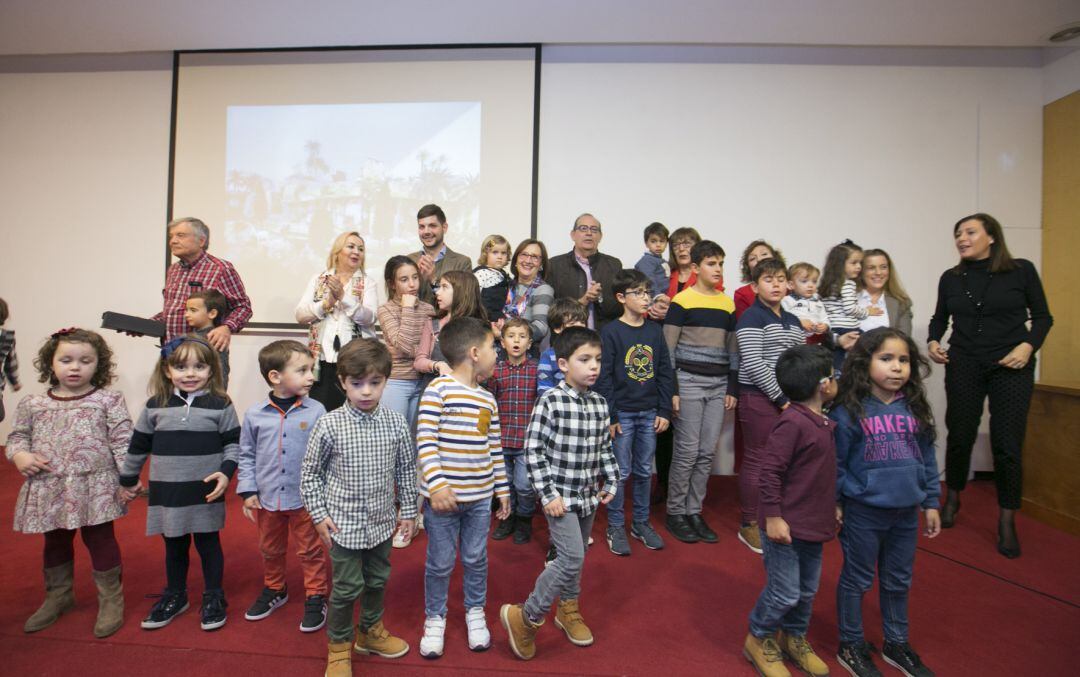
<point>797,506</point>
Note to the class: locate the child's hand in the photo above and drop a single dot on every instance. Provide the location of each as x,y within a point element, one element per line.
<point>660,424</point>
<point>933,523</point>
<point>504,508</point>
<point>443,500</point>
<point>606,498</point>
<point>777,530</point>
<point>406,527</point>
<point>615,429</point>
<point>555,508</point>
<point>327,527</point>
<point>839,517</point>
<point>874,310</point>
<point>807,324</point>
<point>251,504</point>
<point>30,464</point>
<point>821,327</point>
<point>730,402</point>
<point>17,387</point>
<point>847,340</point>
<point>408,300</point>
<point>222,483</point>
<point>129,494</point>
<point>675,406</point>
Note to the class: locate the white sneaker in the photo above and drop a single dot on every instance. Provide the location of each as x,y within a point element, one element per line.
<point>479,637</point>
<point>431,644</point>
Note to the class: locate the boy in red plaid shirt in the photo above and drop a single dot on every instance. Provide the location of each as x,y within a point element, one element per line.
<point>513,383</point>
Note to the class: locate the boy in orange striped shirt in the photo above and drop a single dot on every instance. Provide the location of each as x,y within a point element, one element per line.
<point>461,466</point>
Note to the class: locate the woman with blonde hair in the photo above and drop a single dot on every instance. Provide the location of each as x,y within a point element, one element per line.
<point>339,305</point>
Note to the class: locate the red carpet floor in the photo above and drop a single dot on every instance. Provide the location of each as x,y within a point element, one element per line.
<point>680,611</point>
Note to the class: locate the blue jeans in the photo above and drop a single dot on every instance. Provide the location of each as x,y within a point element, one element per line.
<point>792,573</point>
<point>518,473</point>
<point>884,540</point>
<point>403,396</point>
<point>634,450</point>
<point>467,527</point>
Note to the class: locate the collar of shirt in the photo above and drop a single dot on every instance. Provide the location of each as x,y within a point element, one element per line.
<point>566,387</point>
<point>188,397</point>
<point>820,420</point>
<point>202,257</point>
<point>363,416</point>
<point>298,403</point>
<point>442,253</point>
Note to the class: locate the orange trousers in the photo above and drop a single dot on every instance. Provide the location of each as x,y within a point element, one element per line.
<point>274,530</point>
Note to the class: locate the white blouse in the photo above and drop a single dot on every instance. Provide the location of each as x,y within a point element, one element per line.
<point>339,321</point>
<point>873,321</point>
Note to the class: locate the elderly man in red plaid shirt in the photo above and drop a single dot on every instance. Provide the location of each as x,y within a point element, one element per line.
<point>199,271</point>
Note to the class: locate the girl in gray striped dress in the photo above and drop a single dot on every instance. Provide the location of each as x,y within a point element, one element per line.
<point>190,427</point>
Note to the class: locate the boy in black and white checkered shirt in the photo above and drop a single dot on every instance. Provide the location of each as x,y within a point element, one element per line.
<point>573,470</point>
<point>356,455</point>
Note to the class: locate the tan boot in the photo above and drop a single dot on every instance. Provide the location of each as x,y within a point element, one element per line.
<point>765,655</point>
<point>110,594</point>
<point>339,660</point>
<point>379,641</point>
<point>568,619</point>
<point>799,650</point>
<point>59,597</point>
<point>522,633</point>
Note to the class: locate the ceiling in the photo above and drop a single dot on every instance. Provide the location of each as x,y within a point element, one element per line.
<point>101,26</point>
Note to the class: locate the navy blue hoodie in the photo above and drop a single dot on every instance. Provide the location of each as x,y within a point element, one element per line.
<point>881,458</point>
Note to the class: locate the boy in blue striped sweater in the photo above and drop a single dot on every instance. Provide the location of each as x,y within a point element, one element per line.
<point>763,333</point>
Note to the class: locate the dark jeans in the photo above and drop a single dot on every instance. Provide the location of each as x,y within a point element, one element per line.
<point>881,540</point>
<point>177,557</point>
<point>358,574</point>
<point>968,383</point>
<point>100,542</point>
<point>792,573</point>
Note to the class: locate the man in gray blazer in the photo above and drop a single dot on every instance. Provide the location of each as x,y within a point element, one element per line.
<point>436,257</point>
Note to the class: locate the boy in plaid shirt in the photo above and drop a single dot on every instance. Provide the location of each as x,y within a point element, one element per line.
<point>513,383</point>
<point>356,454</point>
<point>573,470</point>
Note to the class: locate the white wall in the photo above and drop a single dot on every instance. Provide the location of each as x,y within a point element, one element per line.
<point>803,155</point>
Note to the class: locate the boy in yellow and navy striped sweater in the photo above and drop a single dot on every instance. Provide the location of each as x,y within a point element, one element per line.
<point>461,467</point>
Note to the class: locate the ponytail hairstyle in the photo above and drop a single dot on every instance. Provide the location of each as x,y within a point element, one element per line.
<point>833,272</point>
<point>466,301</point>
<point>855,384</point>
<point>175,354</point>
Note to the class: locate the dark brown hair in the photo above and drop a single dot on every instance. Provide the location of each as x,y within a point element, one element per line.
<point>213,300</point>
<point>517,253</point>
<point>1000,258</point>
<point>655,228</point>
<point>686,232</point>
<point>275,356</point>
<point>391,269</point>
<point>565,310</point>
<point>103,375</point>
<point>744,263</point>
<point>431,210</point>
<point>466,301</point>
<point>3,311</point>
<point>834,272</point>
<point>363,357</point>
<point>768,267</point>
<point>460,335</point>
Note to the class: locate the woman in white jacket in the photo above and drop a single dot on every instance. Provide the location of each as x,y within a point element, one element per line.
<point>339,305</point>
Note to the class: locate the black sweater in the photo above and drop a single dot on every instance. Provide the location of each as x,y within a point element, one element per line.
<point>1009,299</point>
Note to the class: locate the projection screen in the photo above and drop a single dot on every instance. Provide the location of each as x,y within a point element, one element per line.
<point>281,151</point>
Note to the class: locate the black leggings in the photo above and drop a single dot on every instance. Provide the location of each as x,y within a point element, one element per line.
<point>177,550</point>
<point>968,382</point>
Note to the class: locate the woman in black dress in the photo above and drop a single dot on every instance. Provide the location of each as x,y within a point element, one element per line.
<point>990,298</point>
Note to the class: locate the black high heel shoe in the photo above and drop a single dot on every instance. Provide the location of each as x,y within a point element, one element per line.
<point>948,512</point>
<point>1008,544</point>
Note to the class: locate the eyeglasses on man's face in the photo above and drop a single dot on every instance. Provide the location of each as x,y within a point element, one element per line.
<point>587,229</point>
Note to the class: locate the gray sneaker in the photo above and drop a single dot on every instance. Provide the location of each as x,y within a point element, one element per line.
<point>616,541</point>
<point>644,532</point>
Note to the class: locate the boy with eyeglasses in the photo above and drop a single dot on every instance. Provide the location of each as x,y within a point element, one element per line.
<point>636,379</point>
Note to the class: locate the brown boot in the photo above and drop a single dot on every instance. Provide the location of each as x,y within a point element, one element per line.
<point>765,656</point>
<point>110,594</point>
<point>799,650</point>
<point>379,641</point>
<point>339,660</point>
<point>568,619</point>
<point>522,633</point>
<point>59,597</point>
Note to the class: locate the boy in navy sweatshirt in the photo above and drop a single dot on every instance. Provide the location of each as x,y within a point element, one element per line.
<point>636,379</point>
<point>798,483</point>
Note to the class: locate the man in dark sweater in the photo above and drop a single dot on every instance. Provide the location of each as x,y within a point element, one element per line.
<point>637,380</point>
<point>585,274</point>
<point>798,508</point>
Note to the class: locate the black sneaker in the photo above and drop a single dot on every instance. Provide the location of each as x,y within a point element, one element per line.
<point>855,658</point>
<point>522,530</point>
<point>314,614</point>
<point>269,599</point>
<point>171,604</point>
<point>697,523</point>
<point>213,609</point>
<point>550,557</point>
<point>901,656</point>
<point>503,529</point>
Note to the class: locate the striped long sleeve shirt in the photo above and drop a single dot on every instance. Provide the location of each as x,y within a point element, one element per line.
<point>763,336</point>
<point>458,442</point>
<point>844,311</point>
